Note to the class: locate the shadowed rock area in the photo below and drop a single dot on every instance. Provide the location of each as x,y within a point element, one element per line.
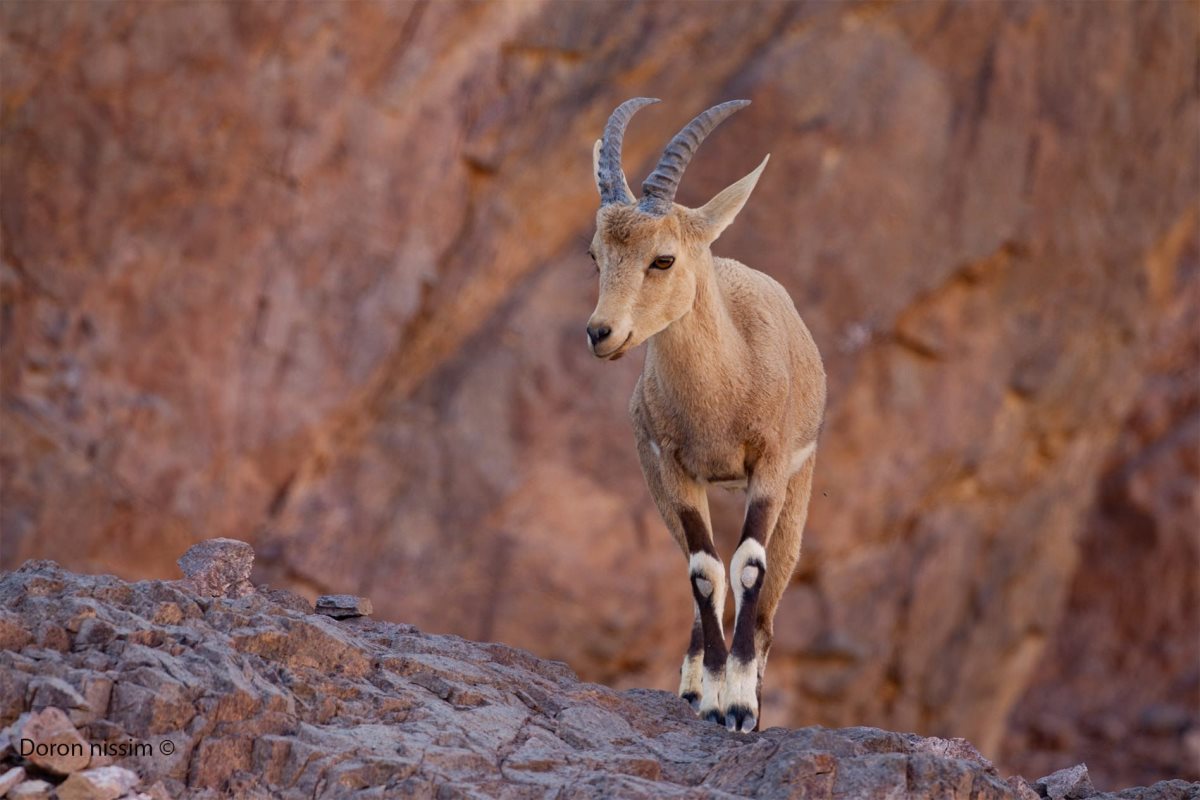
<point>255,696</point>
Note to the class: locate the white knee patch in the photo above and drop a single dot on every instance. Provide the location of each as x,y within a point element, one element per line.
<point>709,576</point>
<point>742,570</point>
<point>705,567</point>
<point>749,575</point>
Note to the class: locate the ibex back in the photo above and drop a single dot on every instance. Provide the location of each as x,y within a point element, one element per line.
<point>732,394</point>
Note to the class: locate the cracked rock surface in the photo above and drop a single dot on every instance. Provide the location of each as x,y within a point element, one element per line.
<point>257,696</point>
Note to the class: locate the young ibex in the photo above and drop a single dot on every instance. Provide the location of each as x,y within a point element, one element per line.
<point>732,394</point>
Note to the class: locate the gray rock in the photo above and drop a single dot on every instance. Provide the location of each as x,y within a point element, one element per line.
<point>1022,789</point>
<point>219,568</point>
<point>31,790</point>
<point>951,748</point>
<point>102,783</point>
<point>48,739</point>
<point>1163,790</point>
<point>340,606</point>
<point>57,693</point>
<point>1072,783</point>
<point>10,779</point>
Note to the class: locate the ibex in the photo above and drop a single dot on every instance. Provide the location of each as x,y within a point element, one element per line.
<point>732,394</point>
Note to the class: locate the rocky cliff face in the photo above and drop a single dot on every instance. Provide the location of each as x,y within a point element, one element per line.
<point>252,695</point>
<point>1124,659</point>
<point>314,276</point>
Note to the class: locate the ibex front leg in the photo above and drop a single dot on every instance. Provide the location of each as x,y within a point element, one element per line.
<point>707,577</point>
<point>747,574</point>
<point>684,507</point>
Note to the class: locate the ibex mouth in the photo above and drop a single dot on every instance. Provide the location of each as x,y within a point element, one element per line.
<point>620,351</point>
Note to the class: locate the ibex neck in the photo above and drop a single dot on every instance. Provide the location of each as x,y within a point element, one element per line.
<point>697,348</point>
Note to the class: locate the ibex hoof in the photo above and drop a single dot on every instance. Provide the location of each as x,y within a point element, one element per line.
<point>714,715</point>
<point>740,719</point>
<point>693,700</point>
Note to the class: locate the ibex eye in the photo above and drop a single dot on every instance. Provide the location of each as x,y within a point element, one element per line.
<point>662,262</point>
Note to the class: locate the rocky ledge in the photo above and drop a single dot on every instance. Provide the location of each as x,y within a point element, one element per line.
<point>208,687</point>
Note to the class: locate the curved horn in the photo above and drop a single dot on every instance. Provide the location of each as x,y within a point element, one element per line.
<point>658,192</point>
<point>609,175</point>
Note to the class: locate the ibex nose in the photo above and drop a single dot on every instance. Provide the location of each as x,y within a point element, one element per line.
<point>598,334</point>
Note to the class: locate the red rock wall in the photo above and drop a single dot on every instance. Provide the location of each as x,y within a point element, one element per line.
<point>313,276</point>
<point>1119,685</point>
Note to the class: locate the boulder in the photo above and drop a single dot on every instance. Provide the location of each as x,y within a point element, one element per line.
<point>99,783</point>
<point>1072,783</point>
<point>10,779</point>
<point>219,567</point>
<point>49,740</point>
<point>32,790</point>
<point>341,606</point>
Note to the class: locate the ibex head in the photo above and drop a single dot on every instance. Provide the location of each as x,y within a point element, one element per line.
<point>648,252</point>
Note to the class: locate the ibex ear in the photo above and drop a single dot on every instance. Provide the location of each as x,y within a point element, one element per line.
<point>721,210</point>
<point>596,171</point>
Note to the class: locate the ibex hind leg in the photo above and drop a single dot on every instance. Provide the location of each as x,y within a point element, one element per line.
<point>692,671</point>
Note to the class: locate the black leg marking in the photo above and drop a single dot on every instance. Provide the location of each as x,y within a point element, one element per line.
<point>714,643</point>
<point>696,645</point>
<point>744,625</point>
<point>756,522</point>
<point>699,540</point>
<point>743,632</point>
<point>695,648</point>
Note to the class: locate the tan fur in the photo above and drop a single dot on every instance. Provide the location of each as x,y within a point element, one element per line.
<point>733,386</point>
